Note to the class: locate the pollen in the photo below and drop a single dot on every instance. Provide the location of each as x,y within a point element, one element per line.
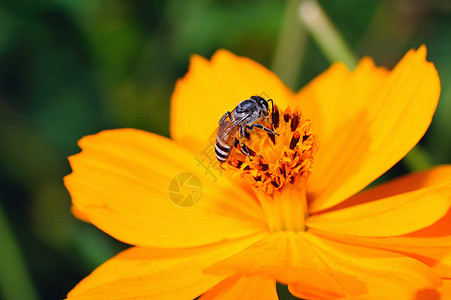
<point>276,160</point>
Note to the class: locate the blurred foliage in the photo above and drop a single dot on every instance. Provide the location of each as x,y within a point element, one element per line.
<point>69,68</point>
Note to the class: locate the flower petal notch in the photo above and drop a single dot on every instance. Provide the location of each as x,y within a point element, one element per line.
<point>370,119</point>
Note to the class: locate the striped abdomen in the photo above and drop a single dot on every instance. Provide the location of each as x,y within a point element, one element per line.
<point>222,150</point>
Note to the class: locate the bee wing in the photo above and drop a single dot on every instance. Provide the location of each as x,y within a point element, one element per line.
<point>213,135</point>
<point>236,122</point>
<point>226,127</point>
<point>221,122</point>
<point>223,130</point>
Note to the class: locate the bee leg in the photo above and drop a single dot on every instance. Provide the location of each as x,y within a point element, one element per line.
<point>260,126</point>
<point>244,150</point>
<point>227,114</point>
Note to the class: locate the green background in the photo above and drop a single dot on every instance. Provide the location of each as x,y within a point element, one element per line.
<point>69,68</point>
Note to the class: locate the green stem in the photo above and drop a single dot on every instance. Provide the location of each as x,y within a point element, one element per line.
<point>325,34</point>
<point>15,282</point>
<point>290,47</point>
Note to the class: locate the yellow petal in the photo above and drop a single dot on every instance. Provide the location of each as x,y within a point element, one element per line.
<point>79,215</point>
<point>243,287</point>
<point>367,120</point>
<point>431,245</point>
<point>384,275</point>
<point>146,273</point>
<point>445,289</point>
<point>443,292</point>
<point>210,88</point>
<point>120,183</point>
<point>391,216</point>
<point>411,182</point>
<point>318,268</point>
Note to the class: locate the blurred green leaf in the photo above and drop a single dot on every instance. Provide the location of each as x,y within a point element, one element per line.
<point>15,282</point>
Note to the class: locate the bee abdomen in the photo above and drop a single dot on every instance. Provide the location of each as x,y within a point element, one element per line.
<point>222,151</point>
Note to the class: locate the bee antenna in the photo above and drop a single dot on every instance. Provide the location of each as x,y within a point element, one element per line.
<point>272,104</point>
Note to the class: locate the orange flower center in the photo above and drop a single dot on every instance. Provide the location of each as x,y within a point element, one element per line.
<point>276,160</point>
<point>278,167</point>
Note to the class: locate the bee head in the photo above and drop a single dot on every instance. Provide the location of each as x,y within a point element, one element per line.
<point>262,103</point>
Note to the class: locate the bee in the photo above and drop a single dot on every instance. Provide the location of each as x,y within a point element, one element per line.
<point>247,115</point>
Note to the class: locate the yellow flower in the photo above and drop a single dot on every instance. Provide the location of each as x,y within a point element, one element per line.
<point>292,214</point>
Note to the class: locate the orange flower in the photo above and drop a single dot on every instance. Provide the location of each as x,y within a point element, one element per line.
<point>291,215</point>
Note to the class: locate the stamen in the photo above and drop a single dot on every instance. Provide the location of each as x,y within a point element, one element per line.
<point>275,117</point>
<point>236,143</point>
<point>237,164</point>
<point>246,134</point>
<point>264,167</point>
<point>272,136</point>
<point>295,139</point>
<point>287,114</point>
<point>295,119</point>
<point>250,151</point>
<point>277,160</point>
